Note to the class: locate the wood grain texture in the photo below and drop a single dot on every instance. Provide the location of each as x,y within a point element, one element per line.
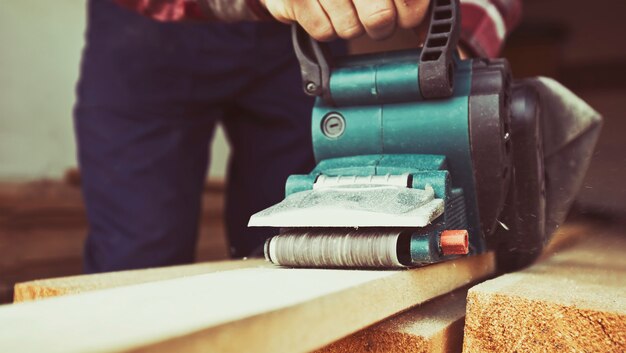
<point>54,287</point>
<point>259,309</point>
<point>575,301</point>
<point>433,327</point>
<point>437,326</point>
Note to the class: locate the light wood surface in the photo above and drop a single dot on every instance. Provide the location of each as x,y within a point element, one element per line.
<point>575,301</point>
<point>436,326</point>
<point>252,309</point>
<point>54,287</point>
<point>433,327</point>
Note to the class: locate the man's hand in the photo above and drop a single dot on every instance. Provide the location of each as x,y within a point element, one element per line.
<point>328,19</point>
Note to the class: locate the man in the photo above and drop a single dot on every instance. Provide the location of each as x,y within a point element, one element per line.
<point>153,87</point>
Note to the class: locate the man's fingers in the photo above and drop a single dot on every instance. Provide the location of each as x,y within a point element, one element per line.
<point>343,17</point>
<point>378,17</point>
<point>411,12</point>
<point>311,16</point>
<point>326,19</point>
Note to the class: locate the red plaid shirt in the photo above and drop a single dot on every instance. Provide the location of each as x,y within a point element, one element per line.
<point>485,23</point>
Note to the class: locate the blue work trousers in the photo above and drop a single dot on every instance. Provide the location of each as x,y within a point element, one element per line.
<point>149,97</point>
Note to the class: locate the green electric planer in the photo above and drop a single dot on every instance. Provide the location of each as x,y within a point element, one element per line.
<point>423,157</point>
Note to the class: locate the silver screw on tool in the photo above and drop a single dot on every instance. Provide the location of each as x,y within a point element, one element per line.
<point>333,125</point>
<point>311,87</point>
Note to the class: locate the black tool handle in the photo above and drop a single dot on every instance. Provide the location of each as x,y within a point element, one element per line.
<point>436,73</point>
<point>436,68</point>
<point>314,62</point>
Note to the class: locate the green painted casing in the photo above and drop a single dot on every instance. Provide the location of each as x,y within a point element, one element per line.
<point>379,124</point>
<point>424,248</point>
<point>389,128</point>
<point>424,170</point>
<point>376,79</point>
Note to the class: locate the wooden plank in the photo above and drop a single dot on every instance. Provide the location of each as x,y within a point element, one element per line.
<point>573,301</point>
<point>261,309</point>
<point>435,327</point>
<point>53,287</point>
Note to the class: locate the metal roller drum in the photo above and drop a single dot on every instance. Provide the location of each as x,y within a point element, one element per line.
<point>333,247</point>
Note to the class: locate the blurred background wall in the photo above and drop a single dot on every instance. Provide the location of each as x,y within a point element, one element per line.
<point>582,44</point>
<point>40,49</point>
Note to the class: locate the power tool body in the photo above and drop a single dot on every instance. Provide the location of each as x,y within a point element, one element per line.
<point>424,157</point>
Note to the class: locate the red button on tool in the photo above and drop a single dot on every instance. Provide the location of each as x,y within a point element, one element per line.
<point>454,242</point>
